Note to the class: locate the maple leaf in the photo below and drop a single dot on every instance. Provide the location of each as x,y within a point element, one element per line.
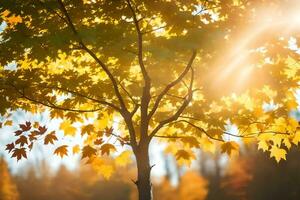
<point>32,136</point>
<point>61,151</point>
<point>25,127</point>
<point>123,159</point>
<point>36,124</point>
<point>22,140</point>
<point>278,153</point>
<point>296,138</point>
<point>68,129</point>
<point>50,138</point>
<point>108,131</point>
<point>262,144</point>
<point>76,149</point>
<point>107,148</point>
<point>102,167</point>
<point>30,146</point>
<point>8,123</point>
<point>19,153</point>
<point>191,141</point>
<point>10,147</point>
<point>98,141</point>
<point>18,132</point>
<point>88,129</point>
<point>88,151</point>
<point>106,171</point>
<point>182,154</point>
<point>42,130</point>
<point>229,147</point>
<point>184,157</point>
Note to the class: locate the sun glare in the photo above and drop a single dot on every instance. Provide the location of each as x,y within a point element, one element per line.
<point>236,65</point>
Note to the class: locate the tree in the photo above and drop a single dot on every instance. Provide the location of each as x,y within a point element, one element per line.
<point>8,189</point>
<point>155,68</point>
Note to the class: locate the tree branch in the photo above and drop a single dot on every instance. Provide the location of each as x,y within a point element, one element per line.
<point>93,55</point>
<point>51,105</point>
<point>146,89</point>
<point>85,96</point>
<point>172,84</point>
<point>185,103</point>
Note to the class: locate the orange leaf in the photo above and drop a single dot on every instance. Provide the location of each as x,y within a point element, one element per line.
<point>61,151</point>
<point>10,147</point>
<point>50,138</point>
<point>107,148</point>
<point>22,140</point>
<point>19,153</point>
<point>88,151</point>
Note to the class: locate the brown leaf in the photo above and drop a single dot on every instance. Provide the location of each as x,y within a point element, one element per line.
<point>22,140</point>
<point>32,136</point>
<point>10,147</point>
<point>30,146</point>
<point>107,148</point>
<point>108,131</point>
<point>88,129</point>
<point>19,153</point>
<point>88,151</point>
<point>98,141</point>
<point>18,132</point>
<point>25,127</point>
<point>50,138</point>
<point>61,151</point>
<point>42,130</point>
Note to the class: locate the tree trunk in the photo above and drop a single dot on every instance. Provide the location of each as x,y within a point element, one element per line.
<point>143,182</point>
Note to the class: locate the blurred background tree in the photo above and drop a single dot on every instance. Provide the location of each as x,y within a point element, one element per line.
<point>8,188</point>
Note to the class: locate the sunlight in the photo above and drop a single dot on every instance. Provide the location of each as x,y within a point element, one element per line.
<point>239,55</point>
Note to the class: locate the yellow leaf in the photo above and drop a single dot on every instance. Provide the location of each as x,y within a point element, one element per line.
<point>276,139</point>
<point>106,171</point>
<point>296,138</point>
<point>8,123</point>
<point>287,143</point>
<point>278,153</point>
<point>184,157</point>
<point>68,129</point>
<point>76,149</point>
<point>230,148</point>
<point>123,159</point>
<point>262,144</point>
<point>102,167</point>
<point>207,145</point>
<point>190,141</point>
<point>88,129</point>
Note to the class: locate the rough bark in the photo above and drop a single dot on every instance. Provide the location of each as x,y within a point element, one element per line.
<point>143,182</point>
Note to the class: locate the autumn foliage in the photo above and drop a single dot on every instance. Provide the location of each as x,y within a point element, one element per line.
<point>121,75</point>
